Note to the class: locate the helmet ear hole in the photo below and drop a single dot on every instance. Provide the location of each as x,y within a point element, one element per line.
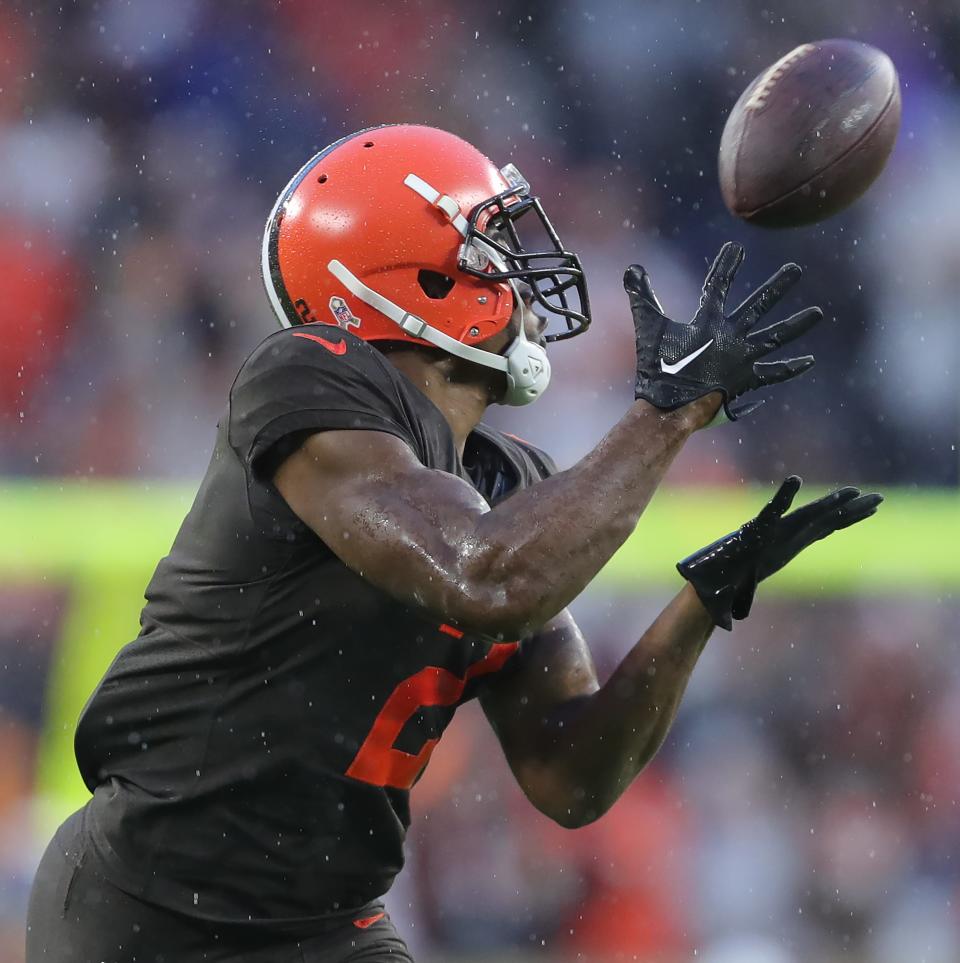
<point>435,285</point>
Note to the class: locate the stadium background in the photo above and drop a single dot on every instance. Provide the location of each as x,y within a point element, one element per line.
<point>805,806</point>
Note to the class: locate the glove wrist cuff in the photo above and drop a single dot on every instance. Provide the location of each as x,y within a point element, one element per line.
<point>726,596</point>
<point>718,601</point>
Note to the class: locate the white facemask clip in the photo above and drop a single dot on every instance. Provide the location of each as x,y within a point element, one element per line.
<point>528,367</point>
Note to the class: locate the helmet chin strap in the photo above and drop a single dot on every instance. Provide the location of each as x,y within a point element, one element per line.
<point>525,363</point>
<point>528,367</point>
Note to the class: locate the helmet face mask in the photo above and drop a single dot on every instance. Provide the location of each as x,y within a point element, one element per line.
<point>408,233</point>
<point>554,274</point>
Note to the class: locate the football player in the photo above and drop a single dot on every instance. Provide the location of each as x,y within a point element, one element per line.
<point>364,555</point>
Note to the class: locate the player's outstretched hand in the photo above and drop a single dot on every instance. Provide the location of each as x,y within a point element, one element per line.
<point>725,574</point>
<point>678,363</point>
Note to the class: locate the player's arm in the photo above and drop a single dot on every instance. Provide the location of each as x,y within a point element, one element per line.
<point>427,538</point>
<point>573,745</point>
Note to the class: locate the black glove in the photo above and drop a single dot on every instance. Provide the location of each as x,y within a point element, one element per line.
<point>678,363</point>
<point>726,573</point>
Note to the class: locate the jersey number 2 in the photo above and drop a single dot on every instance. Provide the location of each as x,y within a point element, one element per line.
<point>377,761</point>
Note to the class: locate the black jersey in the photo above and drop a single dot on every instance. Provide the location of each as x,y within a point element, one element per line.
<point>251,752</point>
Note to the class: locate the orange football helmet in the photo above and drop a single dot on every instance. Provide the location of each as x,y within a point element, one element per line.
<point>408,233</point>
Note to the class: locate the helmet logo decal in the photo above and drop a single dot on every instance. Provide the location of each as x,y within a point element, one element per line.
<point>342,313</point>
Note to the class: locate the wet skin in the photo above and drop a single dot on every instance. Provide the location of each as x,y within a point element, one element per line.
<point>429,539</point>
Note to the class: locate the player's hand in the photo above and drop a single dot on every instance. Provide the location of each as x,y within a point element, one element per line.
<point>725,574</point>
<point>678,363</point>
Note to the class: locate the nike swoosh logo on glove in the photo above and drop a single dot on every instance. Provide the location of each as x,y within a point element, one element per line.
<point>683,362</point>
<point>334,347</point>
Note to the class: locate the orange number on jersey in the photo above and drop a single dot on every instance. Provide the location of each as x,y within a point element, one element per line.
<point>378,762</point>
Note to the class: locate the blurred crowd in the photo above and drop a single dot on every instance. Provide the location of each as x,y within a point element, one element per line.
<point>142,144</point>
<point>806,804</point>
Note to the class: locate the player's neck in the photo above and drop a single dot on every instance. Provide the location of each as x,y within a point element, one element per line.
<point>462,400</point>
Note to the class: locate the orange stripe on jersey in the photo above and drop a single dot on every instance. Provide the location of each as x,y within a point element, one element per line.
<point>362,924</point>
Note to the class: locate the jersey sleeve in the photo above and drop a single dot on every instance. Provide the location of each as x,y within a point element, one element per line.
<point>298,381</point>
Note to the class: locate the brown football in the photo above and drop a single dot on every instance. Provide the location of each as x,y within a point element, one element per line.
<point>810,134</point>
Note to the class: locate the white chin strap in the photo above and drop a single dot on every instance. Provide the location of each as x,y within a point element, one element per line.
<point>524,363</point>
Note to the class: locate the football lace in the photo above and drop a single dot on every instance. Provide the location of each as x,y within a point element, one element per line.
<point>769,80</point>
